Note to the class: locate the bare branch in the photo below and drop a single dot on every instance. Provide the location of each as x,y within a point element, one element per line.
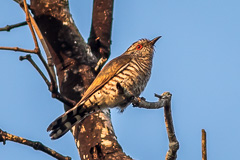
<point>4,136</point>
<point>51,73</point>
<point>164,99</point>
<point>31,23</point>
<point>50,64</point>
<point>58,96</point>
<point>49,67</point>
<point>204,145</point>
<point>18,49</point>
<point>30,26</point>
<point>9,27</point>
<point>53,85</point>
<point>173,142</point>
<point>29,58</point>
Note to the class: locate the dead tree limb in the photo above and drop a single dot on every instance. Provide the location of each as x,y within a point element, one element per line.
<point>173,142</point>
<point>164,101</point>
<point>4,136</point>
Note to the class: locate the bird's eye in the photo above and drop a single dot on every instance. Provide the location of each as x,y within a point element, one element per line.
<point>139,46</point>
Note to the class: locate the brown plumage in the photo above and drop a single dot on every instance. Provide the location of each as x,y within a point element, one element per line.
<point>131,71</point>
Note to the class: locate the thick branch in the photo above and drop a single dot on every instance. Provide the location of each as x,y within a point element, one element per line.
<point>35,145</point>
<point>100,35</point>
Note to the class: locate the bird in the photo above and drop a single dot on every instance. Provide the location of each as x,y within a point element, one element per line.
<point>128,72</point>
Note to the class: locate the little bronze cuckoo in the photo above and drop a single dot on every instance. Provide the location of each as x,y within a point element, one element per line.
<point>131,71</point>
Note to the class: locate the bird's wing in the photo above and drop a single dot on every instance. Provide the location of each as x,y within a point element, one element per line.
<point>112,68</point>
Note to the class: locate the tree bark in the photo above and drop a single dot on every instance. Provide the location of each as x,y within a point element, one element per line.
<point>75,63</point>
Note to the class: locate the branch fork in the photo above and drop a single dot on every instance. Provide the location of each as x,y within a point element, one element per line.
<point>163,101</point>
<point>52,86</point>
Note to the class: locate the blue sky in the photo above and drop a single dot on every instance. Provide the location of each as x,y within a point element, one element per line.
<point>197,60</point>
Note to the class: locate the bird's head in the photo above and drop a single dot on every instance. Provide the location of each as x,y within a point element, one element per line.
<point>142,47</point>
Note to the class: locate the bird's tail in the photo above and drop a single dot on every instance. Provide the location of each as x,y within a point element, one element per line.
<point>66,121</point>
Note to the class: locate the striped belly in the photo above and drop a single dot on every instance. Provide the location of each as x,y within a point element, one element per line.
<point>136,77</point>
<point>133,78</point>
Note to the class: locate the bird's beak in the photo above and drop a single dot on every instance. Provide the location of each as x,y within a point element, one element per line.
<point>155,40</point>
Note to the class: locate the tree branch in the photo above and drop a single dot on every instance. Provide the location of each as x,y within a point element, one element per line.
<point>58,96</point>
<point>30,21</point>
<point>204,145</point>
<point>25,7</point>
<point>173,142</point>
<point>101,29</point>
<point>18,49</point>
<point>49,67</point>
<point>29,58</point>
<point>164,101</point>
<point>9,27</point>
<point>34,144</point>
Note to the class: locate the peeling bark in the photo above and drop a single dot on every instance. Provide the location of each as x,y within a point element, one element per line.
<point>75,62</point>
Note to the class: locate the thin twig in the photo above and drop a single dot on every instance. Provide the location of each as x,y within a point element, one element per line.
<point>9,27</point>
<point>204,145</point>
<point>49,67</point>
<point>45,47</point>
<point>31,23</point>
<point>58,95</point>
<point>34,144</point>
<point>65,100</point>
<point>29,58</point>
<point>36,49</point>
<point>30,26</point>
<point>18,49</point>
